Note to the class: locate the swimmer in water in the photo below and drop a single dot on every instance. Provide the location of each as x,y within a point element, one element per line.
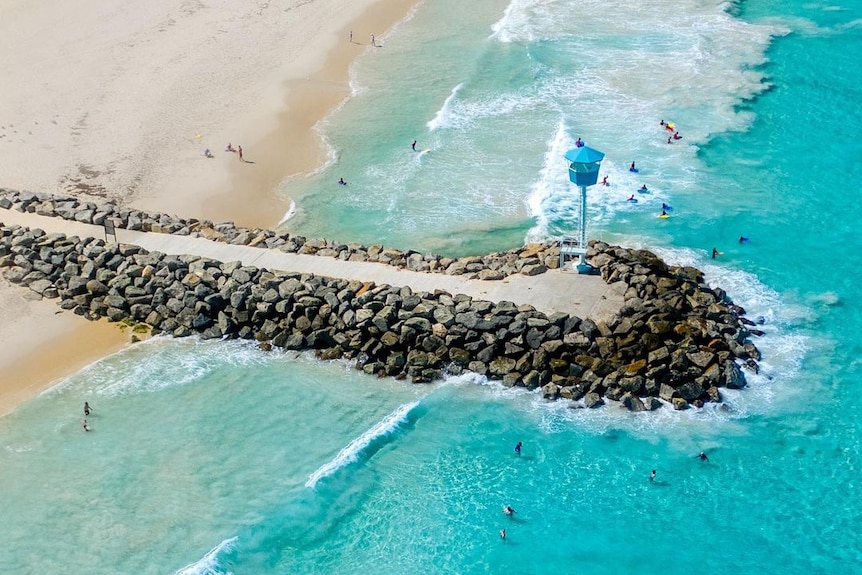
<point>413,145</point>
<point>643,188</point>
<point>632,167</point>
<point>518,448</point>
<point>742,239</point>
<point>652,475</point>
<point>503,534</point>
<point>663,214</point>
<point>632,199</point>
<point>605,181</point>
<point>508,510</point>
<point>702,456</point>
<point>714,253</point>
<point>664,206</point>
<point>342,182</point>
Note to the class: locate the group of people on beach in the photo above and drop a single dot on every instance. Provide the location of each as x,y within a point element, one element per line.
<point>229,148</point>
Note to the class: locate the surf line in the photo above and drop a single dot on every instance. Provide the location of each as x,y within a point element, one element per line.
<point>351,452</point>
<point>209,562</point>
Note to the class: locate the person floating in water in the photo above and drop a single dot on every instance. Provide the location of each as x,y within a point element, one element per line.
<point>715,252</point>
<point>643,188</point>
<point>518,448</point>
<point>84,425</point>
<point>503,534</point>
<point>669,140</point>
<point>742,239</point>
<point>413,145</point>
<point>661,123</point>
<point>342,182</point>
<point>631,198</point>
<point>663,214</point>
<point>632,168</point>
<point>605,181</point>
<point>87,409</point>
<point>508,510</point>
<point>702,456</point>
<point>676,136</point>
<point>579,143</point>
<point>652,475</point>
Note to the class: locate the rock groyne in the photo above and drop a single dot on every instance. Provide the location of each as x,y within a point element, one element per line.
<point>675,339</point>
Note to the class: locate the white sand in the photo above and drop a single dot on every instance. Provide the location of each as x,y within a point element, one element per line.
<point>118,100</point>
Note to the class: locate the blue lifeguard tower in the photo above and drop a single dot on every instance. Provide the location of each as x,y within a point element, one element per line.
<point>583,172</point>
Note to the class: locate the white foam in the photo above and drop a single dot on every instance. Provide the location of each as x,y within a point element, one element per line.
<point>208,564</point>
<point>352,451</point>
<point>291,211</point>
<point>551,177</point>
<point>440,119</point>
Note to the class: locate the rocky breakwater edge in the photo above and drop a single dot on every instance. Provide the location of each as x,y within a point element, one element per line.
<point>528,260</point>
<point>676,340</point>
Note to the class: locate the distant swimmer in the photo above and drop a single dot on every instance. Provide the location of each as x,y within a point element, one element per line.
<point>342,182</point>
<point>702,456</point>
<point>508,510</point>
<point>87,409</point>
<point>652,475</point>
<point>632,199</point>
<point>579,143</point>
<point>669,140</point>
<point>742,239</point>
<point>518,448</point>
<point>661,123</point>
<point>715,252</point>
<point>605,181</point>
<point>663,214</point>
<point>643,188</point>
<point>84,425</point>
<point>503,534</point>
<point>676,136</point>
<point>413,145</point>
<point>664,206</point>
<point>632,168</point>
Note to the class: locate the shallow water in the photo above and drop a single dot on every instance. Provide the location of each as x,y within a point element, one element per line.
<point>218,458</point>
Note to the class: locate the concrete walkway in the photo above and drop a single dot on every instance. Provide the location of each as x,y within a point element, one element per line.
<point>553,291</point>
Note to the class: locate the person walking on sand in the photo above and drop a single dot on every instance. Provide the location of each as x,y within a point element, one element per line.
<point>239,151</point>
<point>351,36</point>
<point>518,448</point>
<point>87,409</point>
<point>373,41</point>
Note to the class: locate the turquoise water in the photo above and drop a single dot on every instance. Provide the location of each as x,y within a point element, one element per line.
<point>218,458</point>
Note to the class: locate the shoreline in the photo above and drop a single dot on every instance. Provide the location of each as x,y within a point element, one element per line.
<point>283,142</point>
<point>32,362</point>
<point>84,151</point>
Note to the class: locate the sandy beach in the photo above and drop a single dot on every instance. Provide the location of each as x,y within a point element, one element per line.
<point>116,101</point>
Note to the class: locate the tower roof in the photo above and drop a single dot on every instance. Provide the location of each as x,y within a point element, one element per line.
<point>584,155</point>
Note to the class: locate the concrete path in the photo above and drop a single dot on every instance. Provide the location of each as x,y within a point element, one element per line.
<point>553,291</point>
